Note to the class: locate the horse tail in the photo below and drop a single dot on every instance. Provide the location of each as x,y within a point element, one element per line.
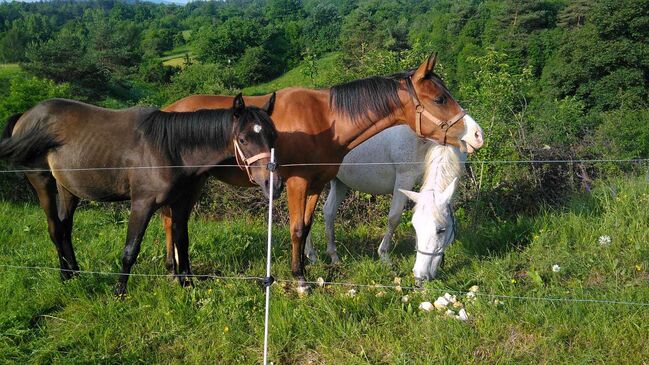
<point>11,123</point>
<point>30,144</point>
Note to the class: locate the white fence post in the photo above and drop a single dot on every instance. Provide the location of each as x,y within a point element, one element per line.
<point>269,280</point>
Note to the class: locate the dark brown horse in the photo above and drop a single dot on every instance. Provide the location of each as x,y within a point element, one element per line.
<point>152,158</point>
<point>321,126</point>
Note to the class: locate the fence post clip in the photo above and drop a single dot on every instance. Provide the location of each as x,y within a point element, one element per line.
<point>267,281</point>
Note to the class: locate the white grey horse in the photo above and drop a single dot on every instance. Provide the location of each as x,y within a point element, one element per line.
<point>364,169</point>
<point>433,213</point>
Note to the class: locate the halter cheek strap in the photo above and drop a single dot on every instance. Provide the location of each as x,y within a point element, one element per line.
<point>244,163</point>
<point>420,110</point>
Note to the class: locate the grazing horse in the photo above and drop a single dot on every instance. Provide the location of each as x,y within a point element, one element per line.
<point>433,218</point>
<point>317,128</point>
<point>152,158</point>
<point>384,164</point>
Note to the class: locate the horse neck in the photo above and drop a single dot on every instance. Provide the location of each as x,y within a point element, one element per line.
<point>443,165</point>
<point>202,159</point>
<point>352,133</point>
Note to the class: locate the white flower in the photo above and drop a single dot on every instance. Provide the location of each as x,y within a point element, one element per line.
<point>450,298</point>
<point>474,289</point>
<point>462,315</point>
<point>397,281</point>
<point>320,281</point>
<point>405,299</point>
<point>470,295</point>
<point>604,240</point>
<point>441,303</point>
<point>351,292</point>
<point>450,313</point>
<point>426,306</point>
<point>556,268</point>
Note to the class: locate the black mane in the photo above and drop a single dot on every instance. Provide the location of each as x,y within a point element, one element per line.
<point>176,132</point>
<point>373,97</point>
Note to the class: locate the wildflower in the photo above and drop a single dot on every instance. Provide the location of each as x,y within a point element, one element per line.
<point>320,281</point>
<point>556,268</point>
<point>604,240</point>
<point>474,289</point>
<point>380,294</point>
<point>470,295</point>
<point>226,329</point>
<point>449,313</point>
<point>441,303</point>
<point>450,298</point>
<point>498,303</point>
<point>398,288</point>
<point>462,315</point>
<point>397,281</point>
<point>426,306</point>
<point>351,292</point>
<point>405,299</point>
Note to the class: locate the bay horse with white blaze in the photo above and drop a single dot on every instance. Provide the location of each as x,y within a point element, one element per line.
<point>152,158</point>
<point>317,128</point>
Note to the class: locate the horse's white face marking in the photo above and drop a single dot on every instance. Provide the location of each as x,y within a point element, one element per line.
<point>257,128</point>
<point>474,135</point>
<point>433,223</point>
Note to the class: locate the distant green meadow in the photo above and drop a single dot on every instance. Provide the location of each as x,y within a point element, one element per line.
<point>46,321</point>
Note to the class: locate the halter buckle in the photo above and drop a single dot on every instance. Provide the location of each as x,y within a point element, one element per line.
<point>272,166</point>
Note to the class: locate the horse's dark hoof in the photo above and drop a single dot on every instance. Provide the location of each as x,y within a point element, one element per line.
<point>120,291</point>
<point>68,274</point>
<point>185,282</point>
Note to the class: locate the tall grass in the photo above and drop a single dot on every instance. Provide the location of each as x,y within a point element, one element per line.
<point>43,320</point>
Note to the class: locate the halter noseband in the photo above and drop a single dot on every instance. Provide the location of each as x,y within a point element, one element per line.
<point>440,253</point>
<point>244,163</point>
<point>444,125</point>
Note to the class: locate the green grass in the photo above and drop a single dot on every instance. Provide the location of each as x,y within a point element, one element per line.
<point>43,320</point>
<point>327,70</point>
<point>8,69</point>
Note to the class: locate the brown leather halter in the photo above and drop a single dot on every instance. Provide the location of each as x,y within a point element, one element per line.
<point>244,163</point>
<point>421,110</point>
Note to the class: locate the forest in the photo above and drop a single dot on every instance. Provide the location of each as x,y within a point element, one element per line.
<point>548,80</point>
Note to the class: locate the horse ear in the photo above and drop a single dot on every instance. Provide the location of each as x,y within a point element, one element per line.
<point>412,195</point>
<point>238,105</point>
<point>270,105</point>
<point>446,196</point>
<point>424,70</point>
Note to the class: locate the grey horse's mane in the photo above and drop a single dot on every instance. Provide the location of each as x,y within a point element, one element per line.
<point>443,164</point>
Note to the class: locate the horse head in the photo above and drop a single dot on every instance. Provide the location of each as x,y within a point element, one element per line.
<point>435,228</point>
<point>437,115</point>
<point>254,135</point>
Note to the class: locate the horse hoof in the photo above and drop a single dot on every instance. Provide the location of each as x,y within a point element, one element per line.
<point>335,260</point>
<point>313,258</point>
<point>120,291</point>
<point>303,289</point>
<point>185,282</point>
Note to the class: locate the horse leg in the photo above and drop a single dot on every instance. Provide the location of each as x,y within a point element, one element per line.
<point>141,211</point>
<point>336,196</point>
<point>45,187</point>
<point>170,261</point>
<point>167,215</point>
<point>67,204</point>
<point>397,204</point>
<point>181,210</point>
<point>297,201</point>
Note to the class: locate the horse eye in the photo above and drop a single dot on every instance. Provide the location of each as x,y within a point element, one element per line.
<point>441,230</point>
<point>440,100</point>
<point>242,140</point>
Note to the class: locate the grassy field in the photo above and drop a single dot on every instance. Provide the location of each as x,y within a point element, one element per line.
<point>45,321</point>
<point>325,65</point>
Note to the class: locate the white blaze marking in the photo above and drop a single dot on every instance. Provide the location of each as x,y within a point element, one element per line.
<point>257,128</point>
